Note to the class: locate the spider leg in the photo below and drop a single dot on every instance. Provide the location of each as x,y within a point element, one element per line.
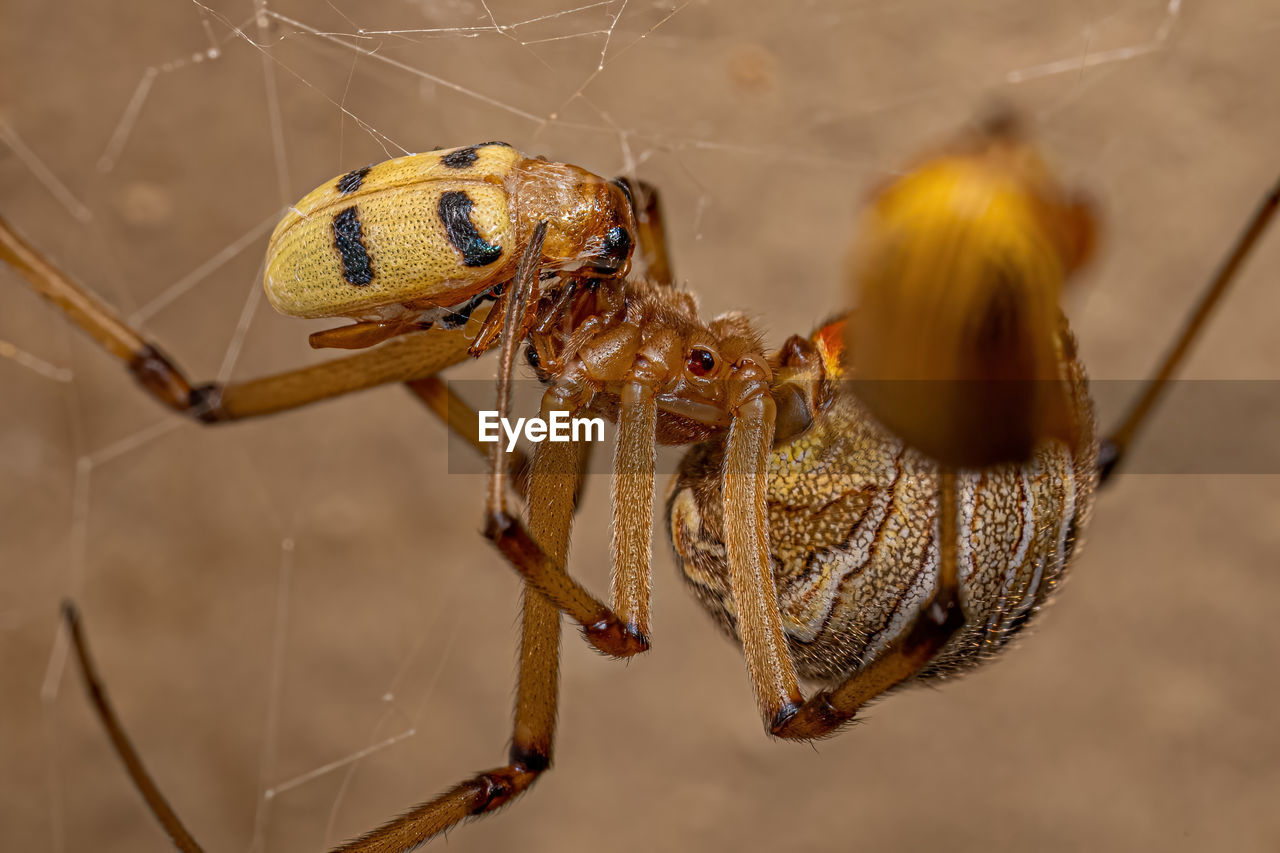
<point>533,734</point>
<point>537,691</point>
<point>634,461</point>
<point>635,458</point>
<point>408,357</point>
<point>755,597</point>
<point>746,532</point>
<point>413,358</point>
<point>602,627</point>
<point>402,359</point>
<point>123,746</point>
<point>651,236</point>
<point>464,422</point>
<point>942,616</point>
<point>1117,444</point>
<point>937,622</point>
<point>621,629</point>
<point>531,745</point>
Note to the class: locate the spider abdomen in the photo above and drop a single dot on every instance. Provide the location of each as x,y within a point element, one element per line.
<point>853,533</point>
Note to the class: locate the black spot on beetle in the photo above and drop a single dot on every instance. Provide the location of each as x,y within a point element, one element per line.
<point>465,157</point>
<point>460,159</point>
<point>351,181</point>
<point>348,237</point>
<point>455,213</point>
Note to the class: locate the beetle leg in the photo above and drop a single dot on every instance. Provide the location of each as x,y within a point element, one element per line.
<point>492,324</point>
<point>362,334</point>
<point>517,295</point>
<point>558,308</point>
<point>497,319</point>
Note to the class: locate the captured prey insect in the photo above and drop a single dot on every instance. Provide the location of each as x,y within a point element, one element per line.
<point>831,546</point>
<point>427,238</point>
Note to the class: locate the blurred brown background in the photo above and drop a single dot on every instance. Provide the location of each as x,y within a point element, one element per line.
<point>1140,714</point>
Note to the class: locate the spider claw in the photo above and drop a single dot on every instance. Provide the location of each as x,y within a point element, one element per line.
<point>813,720</point>
<point>614,638</point>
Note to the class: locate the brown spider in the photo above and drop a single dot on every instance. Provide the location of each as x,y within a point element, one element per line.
<point>832,547</point>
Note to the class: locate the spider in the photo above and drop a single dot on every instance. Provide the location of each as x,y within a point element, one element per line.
<point>795,480</point>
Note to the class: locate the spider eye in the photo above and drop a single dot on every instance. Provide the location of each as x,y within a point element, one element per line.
<point>701,362</point>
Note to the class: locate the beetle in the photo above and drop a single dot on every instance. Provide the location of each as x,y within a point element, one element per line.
<point>427,238</point>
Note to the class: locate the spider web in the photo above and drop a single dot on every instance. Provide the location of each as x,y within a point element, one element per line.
<point>297,618</point>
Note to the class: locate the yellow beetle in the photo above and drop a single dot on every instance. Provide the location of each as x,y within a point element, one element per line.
<point>425,239</point>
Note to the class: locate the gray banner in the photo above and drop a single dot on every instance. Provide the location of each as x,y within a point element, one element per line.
<point>1199,426</point>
